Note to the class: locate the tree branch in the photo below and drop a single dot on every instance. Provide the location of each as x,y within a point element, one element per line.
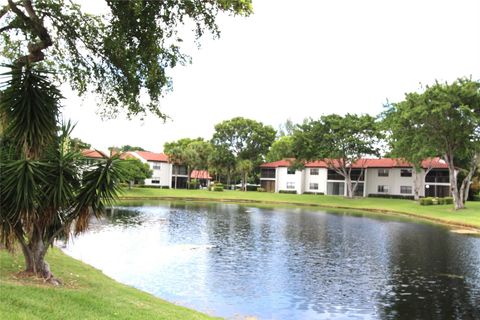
<point>37,28</point>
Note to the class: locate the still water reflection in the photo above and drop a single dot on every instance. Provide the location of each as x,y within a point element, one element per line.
<point>272,263</point>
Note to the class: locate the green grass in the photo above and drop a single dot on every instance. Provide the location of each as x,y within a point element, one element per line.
<point>469,217</point>
<point>86,294</point>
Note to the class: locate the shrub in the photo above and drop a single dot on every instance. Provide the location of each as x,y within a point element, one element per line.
<point>252,188</point>
<point>316,193</point>
<point>261,189</point>
<point>448,200</point>
<point>288,191</point>
<point>426,201</point>
<point>193,184</point>
<point>391,196</point>
<point>216,188</point>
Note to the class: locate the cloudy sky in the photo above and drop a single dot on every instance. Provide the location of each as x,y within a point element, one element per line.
<point>298,59</point>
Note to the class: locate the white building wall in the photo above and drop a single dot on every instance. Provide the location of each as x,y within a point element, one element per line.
<point>394,181</point>
<point>163,174</point>
<point>321,179</point>
<point>284,179</point>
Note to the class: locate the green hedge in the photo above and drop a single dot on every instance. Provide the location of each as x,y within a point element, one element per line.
<point>436,201</point>
<point>288,191</point>
<point>316,193</point>
<point>261,189</point>
<point>152,186</point>
<point>391,196</point>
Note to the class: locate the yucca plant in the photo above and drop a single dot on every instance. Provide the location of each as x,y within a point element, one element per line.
<point>46,190</point>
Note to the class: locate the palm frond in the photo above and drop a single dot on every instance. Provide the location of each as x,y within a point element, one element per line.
<point>29,105</point>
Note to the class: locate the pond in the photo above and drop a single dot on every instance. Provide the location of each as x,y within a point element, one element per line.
<point>236,261</point>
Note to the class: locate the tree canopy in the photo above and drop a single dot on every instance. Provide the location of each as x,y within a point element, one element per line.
<point>246,139</point>
<point>339,141</point>
<point>444,121</point>
<point>281,148</point>
<point>124,55</point>
<point>134,170</point>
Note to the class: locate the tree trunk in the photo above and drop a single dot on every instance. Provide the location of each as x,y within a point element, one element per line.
<point>453,173</point>
<point>34,254</point>
<point>465,187</point>
<point>229,182</point>
<point>416,186</point>
<point>348,180</point>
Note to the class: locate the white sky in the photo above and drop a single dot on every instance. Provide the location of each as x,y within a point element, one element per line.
<point>298,59</point>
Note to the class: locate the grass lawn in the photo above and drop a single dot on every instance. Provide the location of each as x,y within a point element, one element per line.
<point>86,294</point>
<point>470,217</point>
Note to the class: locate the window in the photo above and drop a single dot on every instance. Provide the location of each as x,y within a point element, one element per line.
<point>383,172</point>
<point>156,181</point>
<point>290,185</point>
<point>313,186</point>
<point>406,189</point>
<point>156,166</point>
<point>382,189</point>
<point>290,171</point>
<point>314,172</point>
<point>406,172</point>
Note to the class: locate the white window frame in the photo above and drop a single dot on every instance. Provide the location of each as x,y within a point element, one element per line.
<point>313,184</point>
<point>290,185</point>
<point>385,188</point>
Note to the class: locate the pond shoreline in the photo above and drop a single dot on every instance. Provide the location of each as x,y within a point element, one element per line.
<point>465,228</point>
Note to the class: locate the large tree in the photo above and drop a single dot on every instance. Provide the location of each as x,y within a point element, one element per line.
<point>122,55</point>
<point>223,163</point>
<point>244,139</point>
<point>443,120</point>
<point>340,141</point>
<point>46,189</point>
<point>135,171</point>
<point>281,148</point>
<point>193,153</point>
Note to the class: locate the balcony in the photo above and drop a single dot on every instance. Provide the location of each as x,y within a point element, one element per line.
<point>267,173</point>
<point>430,179</point>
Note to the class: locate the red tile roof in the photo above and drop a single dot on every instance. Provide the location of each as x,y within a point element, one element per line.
<point>277,164</point>
<point>200,174</point>
<point>436,163</point>
<point>93,154</point>
<point>151,156</point>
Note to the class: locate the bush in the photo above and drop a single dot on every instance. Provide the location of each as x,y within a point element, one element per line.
<point>252,188</point>
<point>288,191</point>
<point>261,189</point>
<point>391,196</point>
<point>426,201</point>
<point>475,198</point>
<point>216,187</point>
<point>448,200</point>
<point>193,184</point>
<point>316,193</point>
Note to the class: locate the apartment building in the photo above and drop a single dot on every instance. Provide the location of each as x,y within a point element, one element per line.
<point>386,176</point>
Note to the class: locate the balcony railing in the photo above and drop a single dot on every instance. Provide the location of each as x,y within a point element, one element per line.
<point>437,179</point>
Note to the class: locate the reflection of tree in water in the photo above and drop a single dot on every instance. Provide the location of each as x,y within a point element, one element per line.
<point>437,282</point>
<point>124,217</point>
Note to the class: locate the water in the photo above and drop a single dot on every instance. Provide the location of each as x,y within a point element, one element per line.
<point>236,261</point>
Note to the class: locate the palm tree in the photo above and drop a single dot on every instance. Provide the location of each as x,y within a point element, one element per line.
<point>47,190</point>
